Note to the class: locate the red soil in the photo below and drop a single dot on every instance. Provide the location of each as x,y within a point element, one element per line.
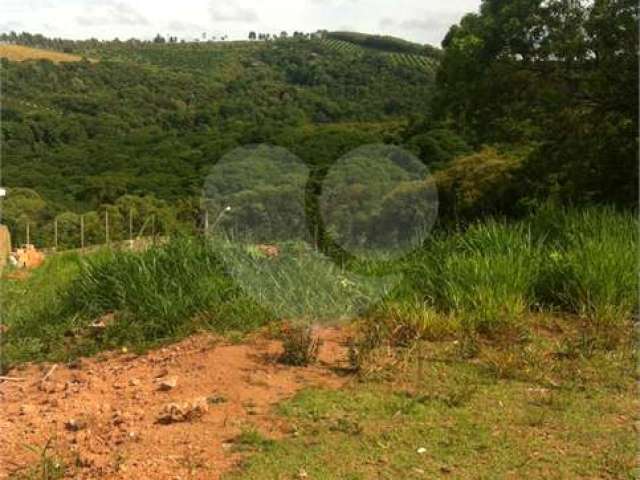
<point>101,416</point>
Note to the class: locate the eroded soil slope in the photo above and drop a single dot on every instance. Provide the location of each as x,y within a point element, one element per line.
<point>172,413</point>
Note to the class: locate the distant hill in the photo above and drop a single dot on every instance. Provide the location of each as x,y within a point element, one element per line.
<point>152,117</point>
<point>385,43</point>
<point>20,53</point>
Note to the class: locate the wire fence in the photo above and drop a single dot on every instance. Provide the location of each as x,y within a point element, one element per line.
<point>87,232</point>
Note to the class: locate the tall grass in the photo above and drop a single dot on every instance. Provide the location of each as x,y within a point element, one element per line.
<point>163,293</point>
<point>158,293</point>
<point>486,275</point>
<point>301,284</point>
<point>581,262</point>
<point>591,263</point>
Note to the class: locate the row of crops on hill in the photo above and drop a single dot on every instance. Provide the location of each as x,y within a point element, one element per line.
<point>342,46</point>
<point>420,62</point>
<point>416,61</point>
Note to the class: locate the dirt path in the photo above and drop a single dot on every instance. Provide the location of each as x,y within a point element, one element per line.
<point>102,415</point>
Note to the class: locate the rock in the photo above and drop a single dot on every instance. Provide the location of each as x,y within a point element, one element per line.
<point>216,399</point>
<point>27,410</point>
<point>117,419</point>
<point>78,377</point>
<point>183,412</point>
<point>134,382</point>
<point>75,425</point>
<point>162,373</point>
<point>168,384</point>
<point>75,364</point>
<point>49,387</point>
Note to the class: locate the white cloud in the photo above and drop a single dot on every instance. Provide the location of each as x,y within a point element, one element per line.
<point>187,27</point>
<point>111,13</point>
<point>424,21</point>
<point>230,11</point>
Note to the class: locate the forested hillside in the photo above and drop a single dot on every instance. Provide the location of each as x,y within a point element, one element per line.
<point>526,104</point>
<point>150,119</point>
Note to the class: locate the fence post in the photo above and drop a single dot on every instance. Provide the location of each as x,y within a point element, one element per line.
<point>106,226</point>
<point>55,233</point>
<point>206,222</point>
<point>28,234</point>
<point>131,228</point>
<point>82,232</point>
<point>153,228</point>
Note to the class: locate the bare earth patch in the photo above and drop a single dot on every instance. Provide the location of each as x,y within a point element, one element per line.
<point>20,53</point>
<point>159,415</point>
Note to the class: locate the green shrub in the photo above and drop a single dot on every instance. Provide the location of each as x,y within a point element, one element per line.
<point>591,264</point>
<point>485,276</point>
<point>158,292</point>
<point>164,293</point>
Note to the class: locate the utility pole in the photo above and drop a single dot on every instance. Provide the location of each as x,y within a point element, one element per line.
<point>55,233</point>
<point>206,222</point>
<point>28,234</point>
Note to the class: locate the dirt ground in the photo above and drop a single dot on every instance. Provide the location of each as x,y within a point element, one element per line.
<point>103,415</point>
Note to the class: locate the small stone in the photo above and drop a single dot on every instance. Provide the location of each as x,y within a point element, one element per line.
<point>49,387</point>
<point>162,373</point>
<point>183,412</point>
<point>168,384</point>
<point>421,451</point>
<point>75,425</point>
<point>134,382</point>
<point>26,410</point>
<point>216,399</point>
<point>75,364</point>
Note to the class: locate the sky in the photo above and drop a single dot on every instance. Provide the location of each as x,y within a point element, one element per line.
<point>423,21</point>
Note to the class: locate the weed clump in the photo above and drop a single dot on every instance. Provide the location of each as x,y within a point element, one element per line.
<point>300,346</point>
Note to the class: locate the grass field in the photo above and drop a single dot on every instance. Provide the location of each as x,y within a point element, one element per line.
<point>19,53</point>
<point>482,280</point>
<point>517,409</point>
<point>507,350</point>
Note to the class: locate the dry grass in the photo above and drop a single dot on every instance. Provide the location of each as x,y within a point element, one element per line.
<point>19,53</point>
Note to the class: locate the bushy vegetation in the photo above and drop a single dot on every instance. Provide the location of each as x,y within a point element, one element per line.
<point>137,300</point>
<point>504,78</point>
<point>481,280</point>
<point>582,262</point>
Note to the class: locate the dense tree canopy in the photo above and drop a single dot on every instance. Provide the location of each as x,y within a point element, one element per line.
<point>557,74</point>
<point>532,100</point>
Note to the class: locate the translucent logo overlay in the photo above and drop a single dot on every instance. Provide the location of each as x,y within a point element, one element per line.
<point>317,243</point>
